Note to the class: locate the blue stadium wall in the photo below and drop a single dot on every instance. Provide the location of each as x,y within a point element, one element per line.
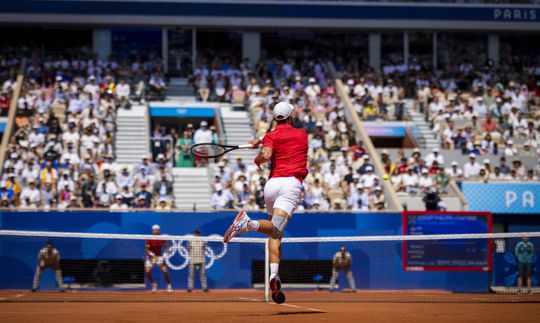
<point>232,272</point>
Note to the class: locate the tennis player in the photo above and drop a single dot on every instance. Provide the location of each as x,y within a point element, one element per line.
<point>48,257</point>
<point>342,261</point>
<point>286,149</point>
<point>154,256</point>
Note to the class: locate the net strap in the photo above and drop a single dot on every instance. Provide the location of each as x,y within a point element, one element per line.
<point>217,238</point>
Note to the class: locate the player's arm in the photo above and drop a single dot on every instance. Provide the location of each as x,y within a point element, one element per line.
<point>149,252</point>
<point>264,156</point>
<point>41,259</point>
<point>255,142</point>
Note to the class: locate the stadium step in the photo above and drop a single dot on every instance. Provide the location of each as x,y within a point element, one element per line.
<point>192,188</point>
<point>429,139</point>
<point>238,130</point>
<point>132,137</point>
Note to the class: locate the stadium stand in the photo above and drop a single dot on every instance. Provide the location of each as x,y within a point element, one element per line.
<point>62,152</point>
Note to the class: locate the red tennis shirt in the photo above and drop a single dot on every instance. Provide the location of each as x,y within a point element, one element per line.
<point>289,151</point>
<point>156,246</point>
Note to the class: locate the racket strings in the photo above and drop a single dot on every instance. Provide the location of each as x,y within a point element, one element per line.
<point>208,150</point>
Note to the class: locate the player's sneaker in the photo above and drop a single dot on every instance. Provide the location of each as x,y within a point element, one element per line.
<point>238,226</point>
<point>275,285</point>
<point>169,288</point>
<point>154,287</point>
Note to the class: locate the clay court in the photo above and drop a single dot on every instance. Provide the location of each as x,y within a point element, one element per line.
<point>247,306</point>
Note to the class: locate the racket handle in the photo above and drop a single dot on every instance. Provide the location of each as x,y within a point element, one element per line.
<point>246,146</point>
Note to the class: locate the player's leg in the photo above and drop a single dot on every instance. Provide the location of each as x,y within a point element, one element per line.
<point>163,266</point>
<point>191,276</point>
<point>202,277</point>
<point>58,276</point>
<point>37,278</point>
<point>521,269</point>
<point>333,279</point>
<point>528,272</point>
<point>350,278</point>
<point>148,264</point>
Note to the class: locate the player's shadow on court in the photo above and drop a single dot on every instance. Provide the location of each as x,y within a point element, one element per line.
<point>298,313</point>
<point>287,313</point>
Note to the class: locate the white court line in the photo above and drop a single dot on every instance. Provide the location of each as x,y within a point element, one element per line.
<point>288,305</point>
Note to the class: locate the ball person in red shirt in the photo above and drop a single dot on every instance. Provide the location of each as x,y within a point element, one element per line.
<point>286,149</point>
<point>154,256</point>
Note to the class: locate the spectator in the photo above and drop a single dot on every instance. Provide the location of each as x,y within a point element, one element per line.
<point>472,168</point>
<point>222,198</point>
<point>184,157</point>
<point>524,254</point>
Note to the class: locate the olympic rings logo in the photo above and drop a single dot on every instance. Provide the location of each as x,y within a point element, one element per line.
<point>183,251</point>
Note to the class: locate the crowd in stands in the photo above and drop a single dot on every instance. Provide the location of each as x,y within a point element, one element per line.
<point>62,152</point>
<point>341,176</point>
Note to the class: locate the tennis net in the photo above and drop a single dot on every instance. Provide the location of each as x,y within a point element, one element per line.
<point>96,267</point>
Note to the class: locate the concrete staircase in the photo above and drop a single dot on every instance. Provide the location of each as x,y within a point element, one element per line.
<point>179,91</point>
<point>238,130</point>
<point>192,188</point>
<point>426,137</point>
<point>132,137</point>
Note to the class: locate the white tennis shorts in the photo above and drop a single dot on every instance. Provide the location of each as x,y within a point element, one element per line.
<point>283,193</point>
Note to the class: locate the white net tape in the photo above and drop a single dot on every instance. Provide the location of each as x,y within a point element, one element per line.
<point>218,238</point>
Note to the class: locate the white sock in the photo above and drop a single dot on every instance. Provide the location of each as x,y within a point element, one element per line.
<point>274,268</point>
<point>253,225</point>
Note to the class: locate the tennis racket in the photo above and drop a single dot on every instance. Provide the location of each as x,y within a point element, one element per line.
<point>211,150</point>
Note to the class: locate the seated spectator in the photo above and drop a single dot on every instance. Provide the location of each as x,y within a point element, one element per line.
<point>221,199</point>
<point>157,84</point>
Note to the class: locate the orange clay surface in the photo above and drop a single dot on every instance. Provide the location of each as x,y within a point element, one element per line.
<point>241,306</point>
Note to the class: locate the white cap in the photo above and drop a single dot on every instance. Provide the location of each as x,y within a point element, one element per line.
<point>359,185</point>
<point>424,171</point>
<point>350,82</point>
<point>356,176</point>
<point>311,80</point>
<point>366,156</point>
<point>160,156</point>
<point>377,188</point>
<point>435,150</point>
<point>204,123</point>
<point>283,110</point>
<point>155,227</point>
<point>218,187</point>
<point>472,155</point>
<point>486,161</point>
<point>510,142</point>
<point>454,163</point>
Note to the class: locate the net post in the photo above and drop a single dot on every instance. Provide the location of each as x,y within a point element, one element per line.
<point>266,271</point>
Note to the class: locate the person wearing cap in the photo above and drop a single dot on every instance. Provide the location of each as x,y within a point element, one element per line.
<point>184,158</point>
<point>434,155</point>
<point>524,253</point>
<point>6,194</point>
<point>510,150</point>
<point>222,198</point>
<point>342,261</point>
<point>424,181</point>
<point>156,252</point>
<point>48,258</point>
<point>410,181</point>
<point>363,169</point>
<point>471,169</point>
<point>286,148</point>
<point>358,200</point>
<point>312,89</point>
<point>377,200</point>
<point>117,204</point>
<point>197,261</point>
<point>30,195</point>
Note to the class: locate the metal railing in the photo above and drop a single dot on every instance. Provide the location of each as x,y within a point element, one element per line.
<point>352,116</point>
<point>11,114</point>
